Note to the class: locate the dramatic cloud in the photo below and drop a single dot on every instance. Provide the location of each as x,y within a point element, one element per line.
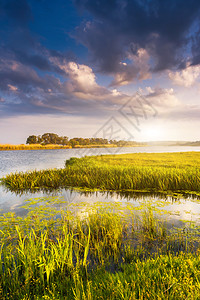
<point>82,79</point>
<point>82,83</point>
<point>120,28</point>
<point>13,73</point>
<point>138,68</point>
<point>75,58</point>
<point>78,92</point>
<point>186,77</point>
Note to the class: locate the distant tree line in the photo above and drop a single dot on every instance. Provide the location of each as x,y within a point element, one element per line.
<point>52,138</point>
<point>47,138</point>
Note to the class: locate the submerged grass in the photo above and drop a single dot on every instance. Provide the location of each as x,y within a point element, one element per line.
<point>154,172</point>
<point>107,253</point>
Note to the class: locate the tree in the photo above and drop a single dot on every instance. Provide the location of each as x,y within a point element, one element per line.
<point>32,139</point>
<point>64,140</point>
<point>73,142</point>
<point>50,138</point>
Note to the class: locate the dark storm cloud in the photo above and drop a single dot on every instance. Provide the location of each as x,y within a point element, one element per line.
<point>121,26</point>
<point>37,80</point>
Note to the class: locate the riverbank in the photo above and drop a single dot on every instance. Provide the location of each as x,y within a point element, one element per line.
<point>139,171</point>
<point>7,147</point>
<point>10,147</point>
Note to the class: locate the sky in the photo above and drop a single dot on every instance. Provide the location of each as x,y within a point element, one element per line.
<point>117,69</point>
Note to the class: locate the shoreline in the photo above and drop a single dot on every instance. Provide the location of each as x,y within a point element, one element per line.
<point>58,147</point>
<point>138,171</point>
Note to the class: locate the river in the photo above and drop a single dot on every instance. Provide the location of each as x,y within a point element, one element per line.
<point>17,161</point>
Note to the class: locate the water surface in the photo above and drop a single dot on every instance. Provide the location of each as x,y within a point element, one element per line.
<point>24,160</point>
<point>12,161</point>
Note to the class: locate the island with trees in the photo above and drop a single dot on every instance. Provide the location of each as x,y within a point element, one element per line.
<point>54,141</point>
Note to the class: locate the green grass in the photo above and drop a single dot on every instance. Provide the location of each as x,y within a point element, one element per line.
<point>153,172</point>
<point>113,253</point>
<point>105,251</point>
<point>170,160</point>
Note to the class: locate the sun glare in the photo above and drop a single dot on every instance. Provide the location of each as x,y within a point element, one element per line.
<point>154,133</point>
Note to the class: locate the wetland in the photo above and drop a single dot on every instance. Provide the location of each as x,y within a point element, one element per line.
<point>120,226</point>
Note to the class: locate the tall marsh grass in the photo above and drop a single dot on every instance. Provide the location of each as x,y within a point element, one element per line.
<point>5,147</point>
<point>31,147</point>
<point>155,172</point>
<point>96,146</point>
<point>103,256</point>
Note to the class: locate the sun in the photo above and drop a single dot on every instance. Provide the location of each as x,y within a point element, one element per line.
<point>153,133</point>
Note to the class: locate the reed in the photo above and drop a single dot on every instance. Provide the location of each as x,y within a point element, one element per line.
<point>154,172</point>
<point>6,147</point>
<point>96,146</point>
<point>101,256</point>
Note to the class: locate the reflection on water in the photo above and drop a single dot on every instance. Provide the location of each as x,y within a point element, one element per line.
<point>170,207</point>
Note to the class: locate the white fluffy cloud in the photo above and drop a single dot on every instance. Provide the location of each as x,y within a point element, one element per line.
<point>186,77</point>
<point>82,80</point>
<point>161,98</point>
<point>82,83</point>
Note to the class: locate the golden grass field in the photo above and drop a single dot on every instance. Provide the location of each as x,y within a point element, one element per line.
<point>4,147</point>
<point>154,172</point>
